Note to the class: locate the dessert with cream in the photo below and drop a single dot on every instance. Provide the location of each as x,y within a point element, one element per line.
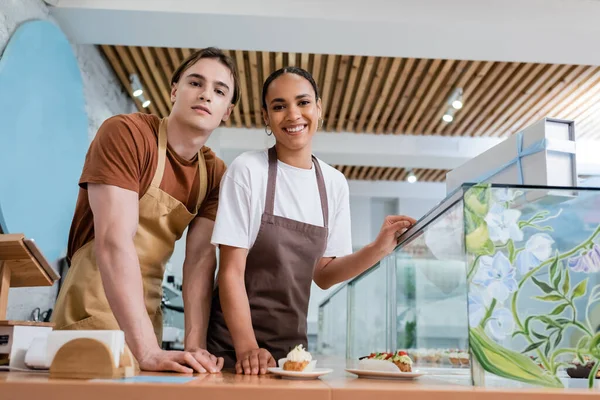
<point>386,362</point>
<point>298,359</point>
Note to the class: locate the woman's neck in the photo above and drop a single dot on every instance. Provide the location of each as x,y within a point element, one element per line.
<point>301,158</point>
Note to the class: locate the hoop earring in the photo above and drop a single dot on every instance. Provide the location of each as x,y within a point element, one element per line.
<point>267,132</point>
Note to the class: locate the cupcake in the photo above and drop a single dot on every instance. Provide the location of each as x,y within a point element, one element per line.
<point>298,360</point>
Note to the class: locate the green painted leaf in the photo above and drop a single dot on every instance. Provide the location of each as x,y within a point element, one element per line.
<point>472,221</point>
<point>550,297</point>
<point>477,199</point>
<point>542,285</point>
<point>515,334</point>
<point>539,336</point>
<point>511,251</point>
<point>593,375</point>
<point>559,309</point>
<point>477,238</point>
<point>547,349</point>
<point>557,279</point>
<point>595,346</point>
<point>488,248</point>
<point>580,289</point>
<point>507,363</point>
<point>566,284</point>
<point>548,321</point>
<point>563,321</point>
<point>553,268</point>
<point>558,339</point>
<point>533,346</point>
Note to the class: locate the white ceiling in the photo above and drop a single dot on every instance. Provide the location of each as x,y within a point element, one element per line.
<point>553,31</point>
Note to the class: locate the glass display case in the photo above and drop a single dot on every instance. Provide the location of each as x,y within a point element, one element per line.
<point>499,283</point>
<point>332,328</point>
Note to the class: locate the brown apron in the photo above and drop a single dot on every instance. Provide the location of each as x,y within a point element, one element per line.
<point>82,304</point>
<point>278,276</point>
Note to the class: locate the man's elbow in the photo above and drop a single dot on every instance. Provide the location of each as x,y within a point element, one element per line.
<point>108,245</point>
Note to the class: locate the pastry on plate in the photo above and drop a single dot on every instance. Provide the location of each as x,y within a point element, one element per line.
<point>454,358</point>
<point>298,359</point>
<point>463,357</point>
<point>390,362</point>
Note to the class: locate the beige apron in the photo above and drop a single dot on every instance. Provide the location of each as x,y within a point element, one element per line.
<point>82,304</point>
<point>278,276</point>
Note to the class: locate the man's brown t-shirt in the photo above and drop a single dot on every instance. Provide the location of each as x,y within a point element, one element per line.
<point>124,153</point>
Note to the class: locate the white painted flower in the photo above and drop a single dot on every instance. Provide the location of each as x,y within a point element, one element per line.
<point>537,250</point>
<point>478,303</point>
<point>497,275</point>
<point>501,324</point>
<point>505,195</point>
<point>503,224</point>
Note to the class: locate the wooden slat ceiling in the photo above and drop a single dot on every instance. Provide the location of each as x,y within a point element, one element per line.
<point>390,174</point>
<point>383,95</point>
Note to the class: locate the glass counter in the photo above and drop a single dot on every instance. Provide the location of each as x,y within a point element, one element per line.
<point>332,325</point>
<point>498,283</point>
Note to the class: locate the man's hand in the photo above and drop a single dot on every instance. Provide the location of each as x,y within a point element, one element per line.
<point>184,362</point>
<point>201,354</point>
<point>393,227</point>
<point>254,362</point>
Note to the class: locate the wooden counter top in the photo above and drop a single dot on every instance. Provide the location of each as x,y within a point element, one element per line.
<point>336,386</point>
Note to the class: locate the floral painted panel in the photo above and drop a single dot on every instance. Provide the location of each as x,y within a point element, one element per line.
<point>534,282</point>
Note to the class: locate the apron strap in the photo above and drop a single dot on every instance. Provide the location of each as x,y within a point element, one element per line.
<point>162,157</point>
<point>162,153</point>
<point>322,191</point>
<point>270,200</point>
<point>272,180</point>
<point>203,180</point>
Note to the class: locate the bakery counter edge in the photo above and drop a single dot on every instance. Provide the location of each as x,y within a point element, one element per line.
<point>226,385</point>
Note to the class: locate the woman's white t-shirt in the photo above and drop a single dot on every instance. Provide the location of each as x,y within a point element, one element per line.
<point>242,201</point>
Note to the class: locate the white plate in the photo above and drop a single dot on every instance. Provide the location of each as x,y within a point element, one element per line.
<point>364,373</point>
<point>314,374</point>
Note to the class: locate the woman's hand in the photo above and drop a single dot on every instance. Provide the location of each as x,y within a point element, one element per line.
<point>393,227</point>
<point>254,362</point>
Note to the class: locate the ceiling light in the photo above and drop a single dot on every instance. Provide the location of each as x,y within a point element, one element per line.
<point>448,117</point>
<point>146,104</point>
<point>136,85</point>
<point>455,99</point>
<point>411,178</point>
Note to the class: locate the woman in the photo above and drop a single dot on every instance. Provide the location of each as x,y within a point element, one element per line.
<point>283,220</point>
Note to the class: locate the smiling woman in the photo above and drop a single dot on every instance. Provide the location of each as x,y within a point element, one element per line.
<point>283,220</point>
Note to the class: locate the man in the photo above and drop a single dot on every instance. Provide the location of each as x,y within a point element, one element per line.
<point>145,180</point>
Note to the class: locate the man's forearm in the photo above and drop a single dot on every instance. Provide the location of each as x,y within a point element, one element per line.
<point>122,280</point>
<point>198,280</point>
<point>236,310</point>
<point>343,268</point>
